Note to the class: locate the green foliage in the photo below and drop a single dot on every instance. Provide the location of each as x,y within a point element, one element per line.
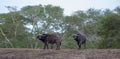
<point>13,30</point>
<point>109,43</point>
<point>109,30</point>
<point>15,33</point>
<point>68,42</point>
<point>109,26</point>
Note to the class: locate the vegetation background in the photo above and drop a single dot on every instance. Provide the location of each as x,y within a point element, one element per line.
<point>18,29</point>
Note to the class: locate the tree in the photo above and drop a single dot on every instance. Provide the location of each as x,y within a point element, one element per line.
<point>108,29</point>
<point>43,19</point>
<point>13,29</point>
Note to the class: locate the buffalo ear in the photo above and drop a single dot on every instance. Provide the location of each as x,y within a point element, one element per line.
<point>75,36</point>
<point>44,35</point>
<point>37,36</point>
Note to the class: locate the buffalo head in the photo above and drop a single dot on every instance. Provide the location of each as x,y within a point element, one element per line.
<point>80,39</point>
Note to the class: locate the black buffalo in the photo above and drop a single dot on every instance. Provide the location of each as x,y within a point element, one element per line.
<point>50,39</point>
<point>80,39</point>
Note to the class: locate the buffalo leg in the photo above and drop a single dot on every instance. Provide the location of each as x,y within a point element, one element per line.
<point>85,45</point>
<point>58,46</point>
<point>79,45</point>
<point>46,46</point>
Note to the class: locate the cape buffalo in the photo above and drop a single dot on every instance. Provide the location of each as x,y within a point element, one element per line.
<point>80,39</point>
<point>50,39</point>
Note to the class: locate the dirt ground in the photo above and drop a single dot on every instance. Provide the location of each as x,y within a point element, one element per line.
<point>24,53</point>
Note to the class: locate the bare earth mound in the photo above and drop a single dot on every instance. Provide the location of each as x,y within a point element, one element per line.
<point>15,53</point>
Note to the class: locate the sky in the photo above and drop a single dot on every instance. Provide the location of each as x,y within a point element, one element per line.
<point>69,6</point>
